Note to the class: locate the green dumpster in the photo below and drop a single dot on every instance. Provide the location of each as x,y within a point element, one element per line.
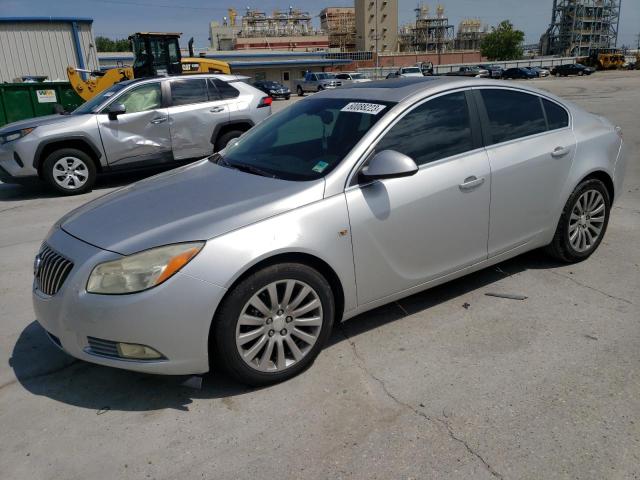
<point>27,100</point>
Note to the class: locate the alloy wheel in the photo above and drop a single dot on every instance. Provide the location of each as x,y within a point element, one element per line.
<point>279,325</point>
<point>70,173</point>
<point>586,222</point>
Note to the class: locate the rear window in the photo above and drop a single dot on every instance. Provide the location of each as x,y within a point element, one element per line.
<point>513,114</point>
<point>557,116</point>
<point>224,89</point>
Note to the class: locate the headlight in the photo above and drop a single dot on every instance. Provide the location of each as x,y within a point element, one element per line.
<point>141,271</point>
<point>272,91</point>
<point>11,136</point>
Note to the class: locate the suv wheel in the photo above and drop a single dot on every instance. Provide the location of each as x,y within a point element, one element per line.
<point>273,324</point>
<point>300,91</point>
<point>225,138</point>
<point>69,171</point>
<point>583,222</point>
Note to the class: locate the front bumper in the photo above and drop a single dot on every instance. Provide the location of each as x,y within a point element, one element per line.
<point>16,162</point>
<point>173,318</point>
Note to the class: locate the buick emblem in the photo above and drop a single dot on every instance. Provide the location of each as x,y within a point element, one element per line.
<point>37,263</point>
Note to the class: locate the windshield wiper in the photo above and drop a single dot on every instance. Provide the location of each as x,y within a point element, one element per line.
<point>245,167</point>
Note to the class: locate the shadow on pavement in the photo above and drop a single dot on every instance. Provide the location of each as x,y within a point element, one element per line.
<point>35,190</point>
<point>42,369</point>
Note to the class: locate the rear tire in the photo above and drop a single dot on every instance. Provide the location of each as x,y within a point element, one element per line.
<point>225,138</point>
<point>272,343</point>
<point>582,224</point>
<point>69,171</point>
<point>300,91</point>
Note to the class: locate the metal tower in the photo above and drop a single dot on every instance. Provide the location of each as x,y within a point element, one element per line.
<point>578,27</point>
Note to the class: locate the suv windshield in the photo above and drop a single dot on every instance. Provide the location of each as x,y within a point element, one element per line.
<point>92,105</point>
<point>411,70</point>
<point>305,141</point>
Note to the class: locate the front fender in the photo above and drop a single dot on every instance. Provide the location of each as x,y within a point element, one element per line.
<point>320,229</point>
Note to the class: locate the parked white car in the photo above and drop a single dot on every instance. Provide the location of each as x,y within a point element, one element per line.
<point>349,78</point>
<point>410,72</point>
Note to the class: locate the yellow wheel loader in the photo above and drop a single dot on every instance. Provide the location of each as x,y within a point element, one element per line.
<point>154,54</point>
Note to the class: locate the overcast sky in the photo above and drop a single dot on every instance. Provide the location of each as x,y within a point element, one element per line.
<point>120,18</point>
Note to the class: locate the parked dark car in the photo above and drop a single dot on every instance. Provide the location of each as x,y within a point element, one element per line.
<point>519,73</point>
<point>571,69</point>
<point>273,89</point>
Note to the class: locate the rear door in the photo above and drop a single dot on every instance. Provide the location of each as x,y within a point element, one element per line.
<point>141,135</point>
<point>531,147</point>
<point>196,108</point>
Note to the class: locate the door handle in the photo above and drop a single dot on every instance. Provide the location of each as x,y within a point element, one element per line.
<point>217,109</point>
<point>158,120</point>
<point>470,183</point>
<point>559,152</point>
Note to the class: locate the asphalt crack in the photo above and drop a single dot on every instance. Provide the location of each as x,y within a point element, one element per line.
<point>444,422</point>
<point>577,282</point>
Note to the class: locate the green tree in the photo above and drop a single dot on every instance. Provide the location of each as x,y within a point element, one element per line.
<point>104,44</point>
<point>503,43</point>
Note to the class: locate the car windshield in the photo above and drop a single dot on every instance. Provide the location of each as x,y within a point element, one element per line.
<point>325,76</point>
<point>305,141</point>
<point>411,70</point>
<point>94,104</point>
<point>271,84</point>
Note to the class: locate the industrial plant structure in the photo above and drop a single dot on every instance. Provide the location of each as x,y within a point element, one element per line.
<point>429,33</point>
<point>470,34</point>
<point>581,27</point>
<point>289,29</point>
<point>340,24</point>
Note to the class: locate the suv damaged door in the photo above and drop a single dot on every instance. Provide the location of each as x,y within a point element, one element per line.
<point>140,135</point>
<point>195,110</point>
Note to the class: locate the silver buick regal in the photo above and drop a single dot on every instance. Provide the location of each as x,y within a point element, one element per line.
<point>340,203</point>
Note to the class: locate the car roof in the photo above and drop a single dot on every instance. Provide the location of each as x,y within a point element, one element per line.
<point>398,89</point>
<point>220,76</point>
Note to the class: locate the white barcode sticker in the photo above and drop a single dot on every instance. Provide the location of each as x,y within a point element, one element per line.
<point>359,107</point>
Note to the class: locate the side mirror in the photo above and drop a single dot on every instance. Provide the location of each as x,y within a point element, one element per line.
<point>116,109</point>
<point>389,164</point>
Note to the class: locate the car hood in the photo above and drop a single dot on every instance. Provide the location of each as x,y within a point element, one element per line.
<point>196,202</point>
<point>35,122</point>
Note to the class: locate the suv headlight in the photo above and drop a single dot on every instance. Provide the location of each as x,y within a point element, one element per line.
<point>11,136</point>
<point>141,271</point>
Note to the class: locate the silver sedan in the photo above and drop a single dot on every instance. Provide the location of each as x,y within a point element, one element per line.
<point>340,203</point>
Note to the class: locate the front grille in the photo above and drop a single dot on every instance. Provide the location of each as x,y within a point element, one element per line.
<point>106,348</point>
<point>51,270</point>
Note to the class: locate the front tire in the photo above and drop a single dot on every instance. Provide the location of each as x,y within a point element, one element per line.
<point>273,324</point>
<point>69,171</point>
<point>300,91</point>
<point>583,223</point>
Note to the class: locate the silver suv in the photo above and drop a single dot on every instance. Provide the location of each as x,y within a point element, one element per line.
<point>134,124</point>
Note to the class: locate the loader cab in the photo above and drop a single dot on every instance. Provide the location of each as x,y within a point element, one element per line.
<point>156,54</point>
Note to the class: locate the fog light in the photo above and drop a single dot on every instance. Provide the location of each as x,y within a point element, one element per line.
<point>142,352</point>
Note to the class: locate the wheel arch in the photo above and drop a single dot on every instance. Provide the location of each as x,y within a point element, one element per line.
<point>222,128</point>
<point>292,257</point>
<point>78,142</point>
<point>605,178</point>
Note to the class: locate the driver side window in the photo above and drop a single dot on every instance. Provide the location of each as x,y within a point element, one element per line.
<point>142,98</point>
<point>437,129</point>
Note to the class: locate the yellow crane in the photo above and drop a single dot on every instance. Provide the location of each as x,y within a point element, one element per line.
<point>154,53</point>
